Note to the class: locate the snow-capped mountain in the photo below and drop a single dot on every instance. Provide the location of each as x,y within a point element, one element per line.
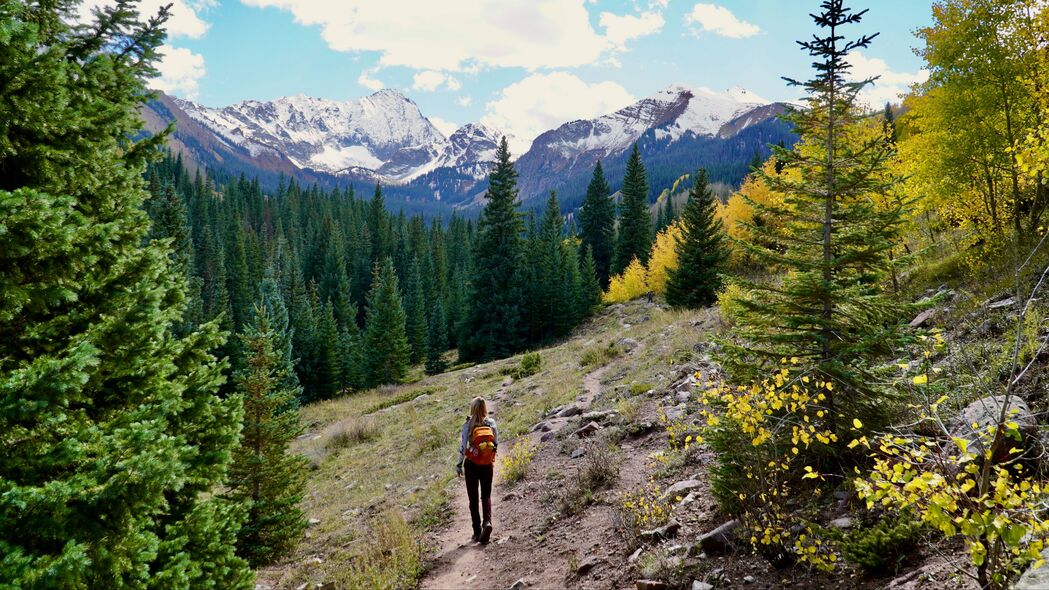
<point>668,116</point>
<point>385,137</point>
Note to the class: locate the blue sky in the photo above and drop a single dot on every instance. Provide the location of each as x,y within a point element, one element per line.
<point>521,65</point>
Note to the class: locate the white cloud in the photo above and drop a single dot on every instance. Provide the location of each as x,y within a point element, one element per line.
<point>184,21</point>
<point>180,72</point>
<point>621,28</point>
<point>461,36</point>
<point>720,21</point>
<point>444,126</point>
<point>464,101</point>
<point>368,82</point>
<point>543,101</point>
<point>890,84</point>
<point>430,81</point>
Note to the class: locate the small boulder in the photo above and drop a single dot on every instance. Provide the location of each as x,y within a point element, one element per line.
<point>922,318</point>
<point>599,416</point>
<point>842,523</point>
<point>569,411</point>
<point>985,412</point>
<point>588,564</point>
<point>1035,579</point>
<point>1002,303</point>
<point>650,585</point>
<point>664,532</point>
<point>681,488</point>
<point>748,579</point>
<point>636,555</point>
<point>627,344</point>
<point>587,430</point>
<point>720,540</point>
<point>511,497</point>
<point>697,585</point>
<point>542,427</point>
<point>675,412</point>
<point>519,584</point>
<point>578,452</point>
<point>313,522</point>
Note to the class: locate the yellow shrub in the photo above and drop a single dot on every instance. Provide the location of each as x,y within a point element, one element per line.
<point>729,301</point>
<point>646,508</point>
<point>633,283</point>
<point>517,461</point>
<point>663,258</point>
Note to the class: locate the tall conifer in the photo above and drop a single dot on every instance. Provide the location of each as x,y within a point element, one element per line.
<point>635,224</point>
<point>701,250</point>
<point>386,345</point>
<point>494,326</point>
<point>114,437</point>
<point>597,223</point>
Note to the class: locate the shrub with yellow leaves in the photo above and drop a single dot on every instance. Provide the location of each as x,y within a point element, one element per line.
<point>517,461</point>
<point>630,285</point>
<point>643,508</point>
<point>977,487</point>
<point>769,434</point>
<point>663,258</point>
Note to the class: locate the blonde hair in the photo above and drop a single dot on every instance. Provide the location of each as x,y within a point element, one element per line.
<point>478,412</point>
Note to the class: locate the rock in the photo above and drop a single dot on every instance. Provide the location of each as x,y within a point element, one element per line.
<point>842,523</point>
<point>587,430</point>
<point>519,585</point>
<point>748,579</point>
<point>985,412</point>
<point>1035,579</point>
<point>569,411</point>
<point>313,522</point>
<point>922,318</point>
<point>508,381</point>
<point>636,555</point>
<point>650,585</point>
<point>547,436</point>
<point>542,427</point>
<point>682,396</point>
<point>720,540</point>
<point>627,344</point>
<point>690,498</point>
<point>675,412</point>
<point>588,564</point>
<point>511,497</point>
<point>1002,303</point>
<point>697,585</point>
<point>681,488</point>
<point>578,452</point>
<point>599,416</point>
<point>664,532</point>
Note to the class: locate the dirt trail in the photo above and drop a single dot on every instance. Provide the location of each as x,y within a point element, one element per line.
<point>517,549</point>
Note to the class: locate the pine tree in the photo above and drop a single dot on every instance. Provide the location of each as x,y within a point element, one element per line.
<point>701,250</point>
<point>635,223</point>
<point>272,303</point>
<point>386,344</point>
<point>494,326</point>
<point>597,223</point>
<point>591,290</point>
<point>327,381</point>
<point>264,476</point>
<point>831,311</point>
<point>114,436</point>
<point>436,341</point>
<point>415,312</point>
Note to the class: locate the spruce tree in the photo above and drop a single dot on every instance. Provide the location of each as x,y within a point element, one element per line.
<point>277,317</point>
<point>415,312</point>
<point>386,344</point>
<point>494,326</point>
<point>597,223</point>
<point>436,341</point>
<point>831,310</point>
<point>114,436</point>
<point>590,293</point>
<point>265,476</point>
<point>701,250</point>
<point>635,224</point>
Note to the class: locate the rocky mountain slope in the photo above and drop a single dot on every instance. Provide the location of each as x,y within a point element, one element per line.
<point>386,138</point>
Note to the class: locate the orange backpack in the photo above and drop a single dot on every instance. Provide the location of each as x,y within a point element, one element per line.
<point>481,450</point>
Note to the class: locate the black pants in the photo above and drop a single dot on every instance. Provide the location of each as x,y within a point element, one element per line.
<point>479,476</point>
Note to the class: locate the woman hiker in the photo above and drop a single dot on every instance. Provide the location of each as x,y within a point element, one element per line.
<point>477,448</point>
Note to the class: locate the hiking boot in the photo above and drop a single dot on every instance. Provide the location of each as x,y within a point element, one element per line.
<point>486,533</point>
<point>476,537</point>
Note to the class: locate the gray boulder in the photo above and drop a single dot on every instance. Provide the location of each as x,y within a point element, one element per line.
<point>720,540</point>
